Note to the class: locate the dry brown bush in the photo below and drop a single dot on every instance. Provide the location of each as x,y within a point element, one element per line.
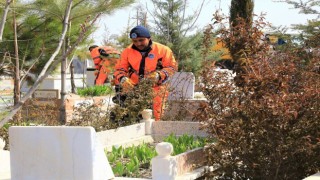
<point>268,127</point>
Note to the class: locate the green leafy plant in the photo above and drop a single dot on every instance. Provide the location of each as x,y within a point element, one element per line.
<point>136,159</point>
<point>95,91</point>
<point>133,166</point>
<point>119,169</point>
<point>185,142</point>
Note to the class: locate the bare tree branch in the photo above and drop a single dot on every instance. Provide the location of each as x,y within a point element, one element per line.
<point>4,18</point>
<point>27,72</point>
<point>197,13</point>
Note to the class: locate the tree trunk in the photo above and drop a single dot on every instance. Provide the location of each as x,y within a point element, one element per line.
<point>16,96</point>
<point>63,89</point>
<point>240,9</point>
<point>4,18</point>
<point>73,86</point>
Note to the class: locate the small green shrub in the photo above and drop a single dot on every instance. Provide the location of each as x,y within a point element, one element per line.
<point>95,91</point>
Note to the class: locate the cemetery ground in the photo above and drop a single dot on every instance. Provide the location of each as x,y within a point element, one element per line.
<point>65,141</point>
<point>77,101</point>
<point>185,110</point>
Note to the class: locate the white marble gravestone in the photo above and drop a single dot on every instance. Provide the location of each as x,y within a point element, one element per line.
<point>182,86</point>
<point>57,153</point>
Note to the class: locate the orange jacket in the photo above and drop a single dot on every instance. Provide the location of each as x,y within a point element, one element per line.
<point>98,59</point>
<point>104,58</point>
<point>160,58</point>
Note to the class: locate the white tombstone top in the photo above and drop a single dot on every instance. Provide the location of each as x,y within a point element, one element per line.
<point>57,153</point>
<point>182,86</point>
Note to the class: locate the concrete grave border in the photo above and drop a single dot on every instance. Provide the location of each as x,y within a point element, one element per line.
<point>188,165</point>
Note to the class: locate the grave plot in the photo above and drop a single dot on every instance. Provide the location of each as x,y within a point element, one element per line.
<point>188,165</point>
<point>135,161</point>
<point>61,151</point>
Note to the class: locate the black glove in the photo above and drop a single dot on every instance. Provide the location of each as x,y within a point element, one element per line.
<point>103,53</point>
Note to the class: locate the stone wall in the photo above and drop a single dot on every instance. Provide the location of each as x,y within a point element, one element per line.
<point>49,109</point>
<point>75,101</point>
<point>41,110</point>
<point>182,110</point>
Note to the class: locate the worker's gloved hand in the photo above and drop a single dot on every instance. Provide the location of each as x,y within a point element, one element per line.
<point>154,77</point>
<point>126,84</point>
<point>103,53</point>
<point>113,82</point>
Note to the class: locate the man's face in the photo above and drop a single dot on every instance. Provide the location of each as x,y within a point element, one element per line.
<point>141,43</point>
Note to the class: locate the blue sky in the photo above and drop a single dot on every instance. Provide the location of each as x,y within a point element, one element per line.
<point>279,14</point>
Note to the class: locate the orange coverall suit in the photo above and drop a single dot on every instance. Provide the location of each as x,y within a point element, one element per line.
<point>131,59</point>
<point>104,63</point>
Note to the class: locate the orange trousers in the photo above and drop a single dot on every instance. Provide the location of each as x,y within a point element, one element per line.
<point>102,75</point>
<point>159,100</point>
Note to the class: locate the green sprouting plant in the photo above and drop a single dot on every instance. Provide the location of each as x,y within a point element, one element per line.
<point>140,152</point>
<point>133,166</point>
<point>95,91</point>
<point>111,157</point>
<point>185,142</point>
<point>118,169</point>
<point>135,158</point>
<point>128,152</point>
<point>119,152</point>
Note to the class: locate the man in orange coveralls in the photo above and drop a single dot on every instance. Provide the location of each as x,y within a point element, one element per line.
<point>146,59</point>
<point>104,58</point>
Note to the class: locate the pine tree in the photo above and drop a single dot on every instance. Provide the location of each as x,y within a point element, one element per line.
<point>40,24</point>
<point>311,29</point>
<point>171,28</point>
